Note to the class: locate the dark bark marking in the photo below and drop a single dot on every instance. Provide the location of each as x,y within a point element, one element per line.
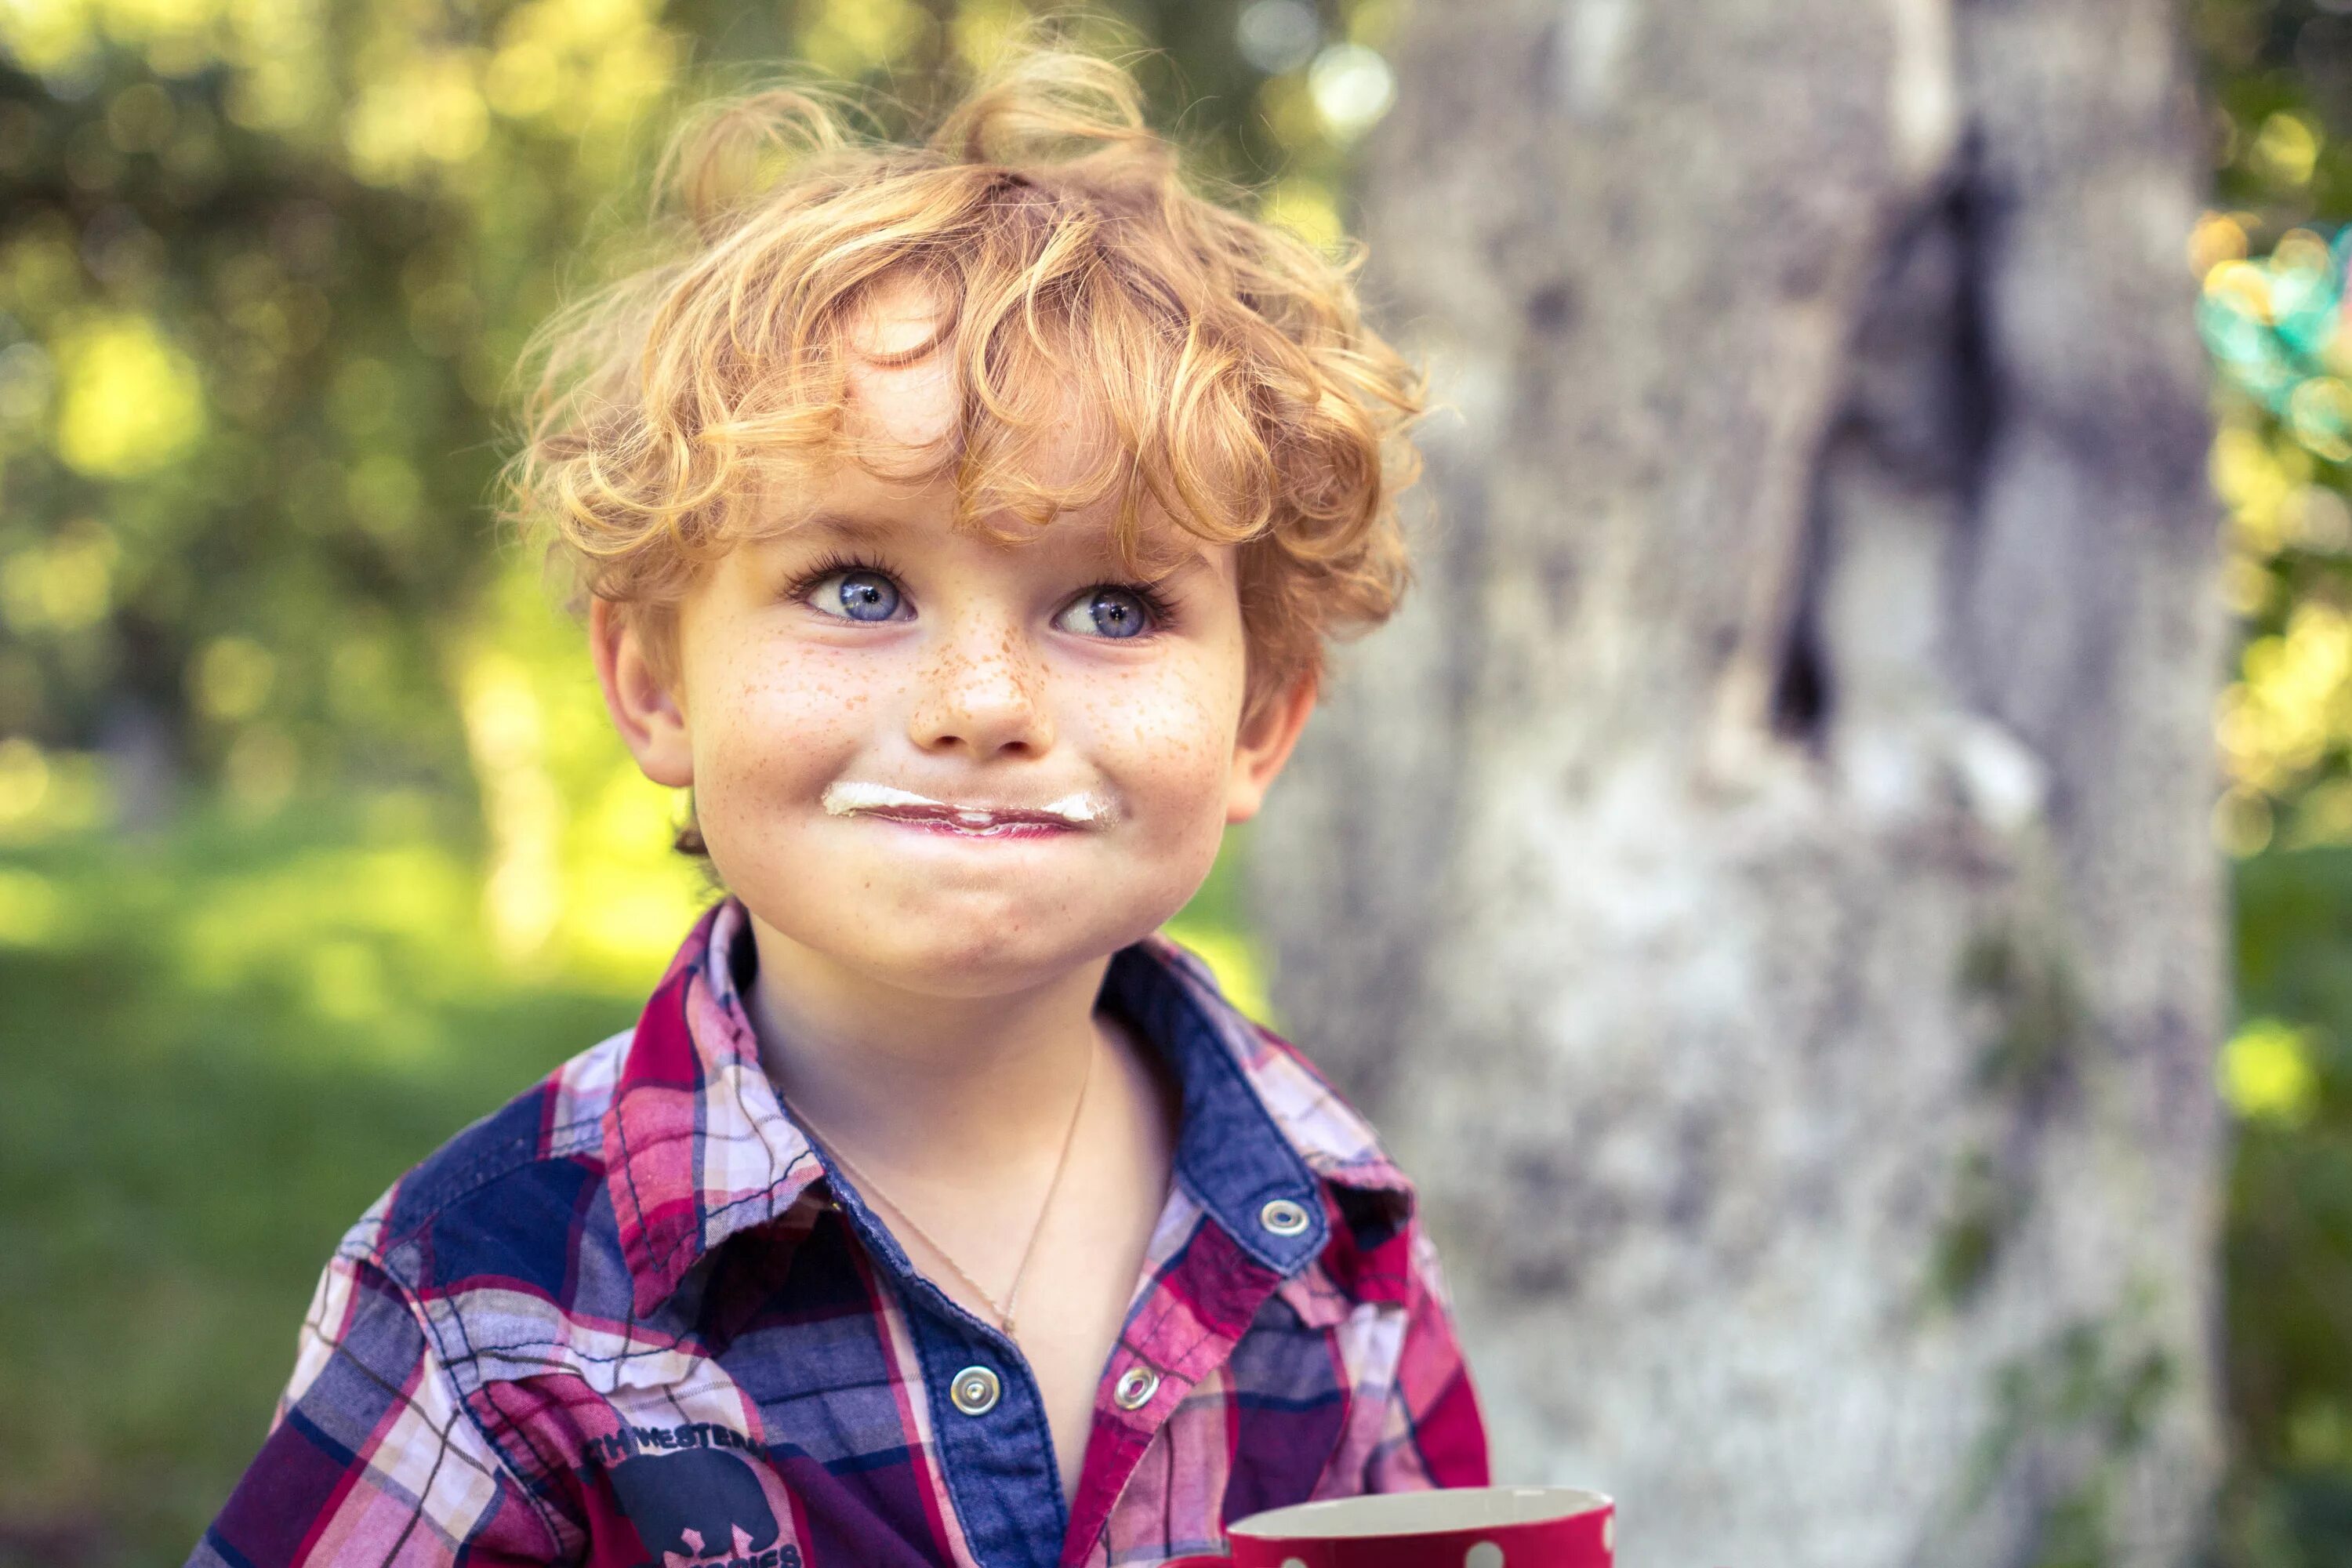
<point>1800,688</point>
<point>1553,309</point>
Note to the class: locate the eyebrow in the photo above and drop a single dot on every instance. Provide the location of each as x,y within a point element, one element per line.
<point>1157,555</point>
<point>1171,551</point>
<point>843,525</point>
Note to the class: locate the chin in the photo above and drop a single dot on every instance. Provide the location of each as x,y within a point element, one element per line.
<point>967,953</point>
<point>975,963</point>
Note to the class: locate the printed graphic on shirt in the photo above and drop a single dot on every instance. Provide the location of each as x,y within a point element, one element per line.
<point>702,1504</point>
<point>630,1441</point>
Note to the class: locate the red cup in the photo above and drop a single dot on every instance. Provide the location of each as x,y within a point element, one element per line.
<point>1460,1527</point>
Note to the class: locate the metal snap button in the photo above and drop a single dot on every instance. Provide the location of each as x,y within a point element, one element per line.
<point>1283,1218</point>
<point>1135,1389</point>
<point>974,1390</point>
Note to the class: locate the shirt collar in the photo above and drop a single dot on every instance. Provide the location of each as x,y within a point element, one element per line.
<point>1260,1123</point>
<point>696,1146</point>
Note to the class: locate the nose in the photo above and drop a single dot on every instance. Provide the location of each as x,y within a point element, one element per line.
<point>981,690</point>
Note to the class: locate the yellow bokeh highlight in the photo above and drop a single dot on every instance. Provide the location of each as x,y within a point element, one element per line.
<point>130,401</point>
<point>2255,478</point>
<point>981,29</point>
<point>62,584</point>
<point>2291,702</point>
<point>524,79</point>
<point>581,64</point>
<point>848,38</point>
<point>2217,237</point>
<point>2284,722</point>
<point>427,109</point>
<point>176,36</point>
<point>24,778</point>
<point>1310,208</point>
<point>2287,148</point>
<point>283,82</point>
<point>1288,110</point>
<point>45,36</point>
<point>2265,1072</point>
<point>44,794</point>
<point>2245,286</point>
<point>2320,413</point>
<point>1352,87</point>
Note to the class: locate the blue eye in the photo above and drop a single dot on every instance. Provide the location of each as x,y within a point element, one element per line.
<point>863,595</point>
<point>1113,613</point>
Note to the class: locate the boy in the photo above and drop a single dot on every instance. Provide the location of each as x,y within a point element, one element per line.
<point>961,523</point>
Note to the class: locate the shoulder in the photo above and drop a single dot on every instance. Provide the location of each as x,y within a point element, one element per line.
<point>510,1197</point>
<point>1338,1140</point>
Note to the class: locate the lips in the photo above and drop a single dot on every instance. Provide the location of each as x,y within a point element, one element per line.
<point>966,823</point>
<point>855,797</point>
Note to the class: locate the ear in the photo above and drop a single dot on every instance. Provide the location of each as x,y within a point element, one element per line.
<point>1264,746</point>
<point>650,718</point>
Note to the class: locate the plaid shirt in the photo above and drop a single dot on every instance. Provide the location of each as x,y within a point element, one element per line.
<point>618,1322</point>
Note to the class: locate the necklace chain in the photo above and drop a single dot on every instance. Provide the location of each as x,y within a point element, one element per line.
<point>1004,1310</point>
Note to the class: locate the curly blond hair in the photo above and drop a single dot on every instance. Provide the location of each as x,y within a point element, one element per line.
<point>1224,362</point>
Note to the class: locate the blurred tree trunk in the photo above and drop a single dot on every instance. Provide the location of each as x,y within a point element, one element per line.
<point>1761,886</point>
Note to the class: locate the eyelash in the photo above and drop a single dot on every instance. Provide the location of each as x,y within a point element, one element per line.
<point>1155,603</point>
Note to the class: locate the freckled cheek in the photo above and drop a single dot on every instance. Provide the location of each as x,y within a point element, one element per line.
<point>1168,745</point>
<point>782,730</point>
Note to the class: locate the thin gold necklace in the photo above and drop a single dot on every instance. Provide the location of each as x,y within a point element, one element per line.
<point>1004,1310</point>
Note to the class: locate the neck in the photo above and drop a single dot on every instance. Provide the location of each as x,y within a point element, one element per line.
<point>919,1083</point>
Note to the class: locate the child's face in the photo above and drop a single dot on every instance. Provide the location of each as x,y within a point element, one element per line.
<point>876,654</point>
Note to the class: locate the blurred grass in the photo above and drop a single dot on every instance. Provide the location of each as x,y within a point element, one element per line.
<point>239,1037</point>
<point>221,1044</point>
<point>2287,1249</point>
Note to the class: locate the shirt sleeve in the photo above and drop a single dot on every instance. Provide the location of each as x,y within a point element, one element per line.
<point>372,1457</point>
<point>1432,1434</point>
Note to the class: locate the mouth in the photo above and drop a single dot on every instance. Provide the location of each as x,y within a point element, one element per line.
<point>1071,814</point>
